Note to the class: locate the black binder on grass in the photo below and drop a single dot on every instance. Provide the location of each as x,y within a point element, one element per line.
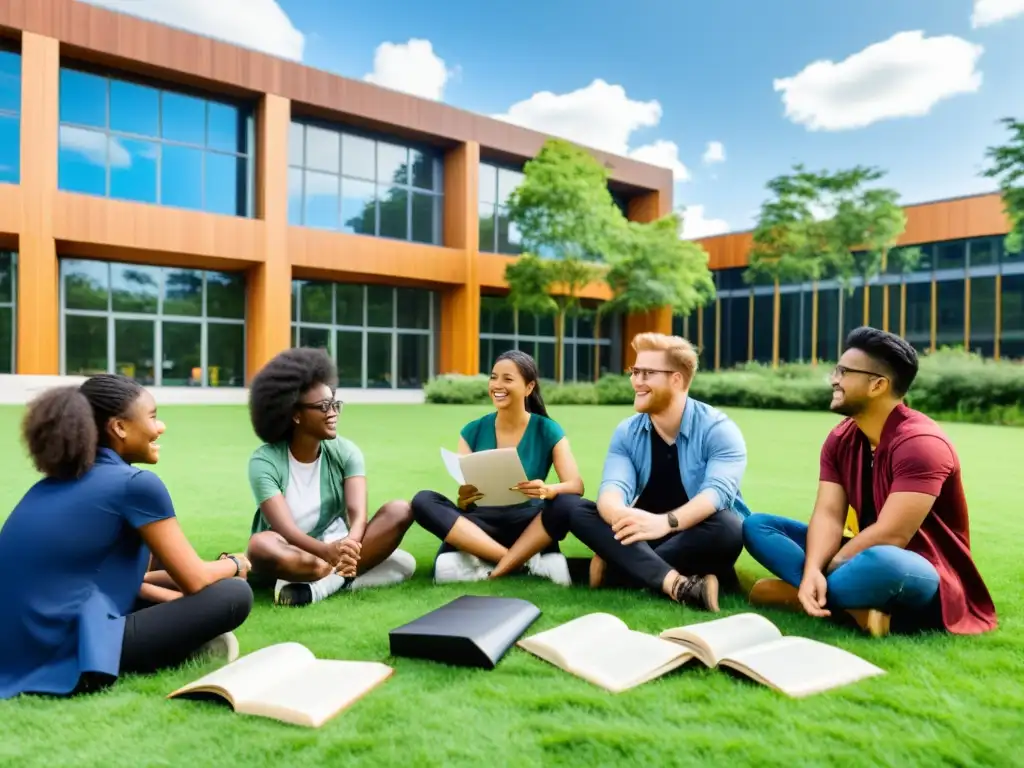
<point>470,631</point>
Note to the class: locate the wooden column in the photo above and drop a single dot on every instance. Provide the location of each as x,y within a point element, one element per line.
<point>38,296</point>
<point>269,284</point>
<point>645,208</point>
<point>460,305</point>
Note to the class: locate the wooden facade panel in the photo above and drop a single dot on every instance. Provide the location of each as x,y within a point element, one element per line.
<point>10,209</point>
<point>149,228</point>
<point>358,255</point>
<point>978,216</point>
<point>460,304</point>
<point>111,38</point>
<point>492,277</point>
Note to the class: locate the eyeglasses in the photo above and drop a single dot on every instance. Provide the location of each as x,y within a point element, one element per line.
<point>841,370</point>
<point>645,373</point>
<point>324,406</point>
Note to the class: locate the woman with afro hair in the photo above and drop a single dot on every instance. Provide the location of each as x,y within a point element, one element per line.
<point>79,606</point>
<point>310,532</point>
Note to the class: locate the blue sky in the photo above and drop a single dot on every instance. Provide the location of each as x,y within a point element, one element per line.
<point>913,86</point>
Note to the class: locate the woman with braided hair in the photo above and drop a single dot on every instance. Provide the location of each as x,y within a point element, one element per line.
<point>78,605</point>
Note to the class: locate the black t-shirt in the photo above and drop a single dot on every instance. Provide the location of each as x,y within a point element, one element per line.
<point>664,490</point>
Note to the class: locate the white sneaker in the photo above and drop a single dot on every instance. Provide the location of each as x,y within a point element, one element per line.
<point>398,567</point>
<point>552,565</point>
<point>459,566</point>
<point>223,647</point>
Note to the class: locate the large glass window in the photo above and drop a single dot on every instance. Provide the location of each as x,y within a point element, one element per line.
<point>949,313</point>
<point>8,311</point>
<point>497,233</point>
<point>735,330</point>
<point>764,311</point>
<point>380,337</point>
<point>342,181</point>
<point>10,112</point>
<point>919,315</point>
<point>829,336</point>
<point>792,345</point>
<point>983,315</point>
<point>145,143</point>
<point>587,350</point>
<point>1011,341</point>
<point>162,326</point>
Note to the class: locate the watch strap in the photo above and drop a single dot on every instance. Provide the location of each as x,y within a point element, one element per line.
<point>673,521</point>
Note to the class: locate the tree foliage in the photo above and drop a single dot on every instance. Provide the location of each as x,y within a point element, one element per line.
<point>568,224</point>
<point>654,268</point>
<point>1007,165</point>
<point>819,224</point>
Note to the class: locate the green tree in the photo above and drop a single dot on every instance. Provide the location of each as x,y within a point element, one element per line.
<point>1007,165</point>
<point>828,224</point>
<point>653,268</point>
<point>568,224</point>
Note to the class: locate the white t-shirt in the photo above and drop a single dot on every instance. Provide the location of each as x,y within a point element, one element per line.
<point>303,497</point>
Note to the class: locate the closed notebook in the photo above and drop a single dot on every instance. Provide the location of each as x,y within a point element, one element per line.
<point>470,631</point>
<point>287,682</point>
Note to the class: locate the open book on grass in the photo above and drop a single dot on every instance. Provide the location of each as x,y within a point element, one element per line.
<point>602,650</point>
<point>287,682</point>
<point>753,646</point>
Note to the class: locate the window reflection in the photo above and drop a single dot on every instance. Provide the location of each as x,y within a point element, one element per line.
<point>497,233</point>
<point>387,189</point>
<point>10,108</point>
<point>383,336</point>
<point>115,314</point>
<point>137,142</point>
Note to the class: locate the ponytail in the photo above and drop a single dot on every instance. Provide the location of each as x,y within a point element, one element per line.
<point>64,427</point>
<point>60,433</point>
<point>535,401</point>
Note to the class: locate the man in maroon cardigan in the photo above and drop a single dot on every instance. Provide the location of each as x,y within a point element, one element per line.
<point>909,566</point>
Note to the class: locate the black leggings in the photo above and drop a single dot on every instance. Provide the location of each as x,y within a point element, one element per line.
<point>166,634</point>
<point>505,525</point>
<point>710,547</point>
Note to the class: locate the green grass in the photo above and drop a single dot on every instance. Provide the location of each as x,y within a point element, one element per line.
<point>944,701</point>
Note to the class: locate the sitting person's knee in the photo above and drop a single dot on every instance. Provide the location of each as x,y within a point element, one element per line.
<point>422,502</point>
<point>236,594</point>
<point>262,546</point>
<point>398,514</point>
<point>752,525</point>
<point>556,515</point>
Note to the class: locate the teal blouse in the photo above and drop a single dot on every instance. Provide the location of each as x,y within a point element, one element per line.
<point>535,449</point>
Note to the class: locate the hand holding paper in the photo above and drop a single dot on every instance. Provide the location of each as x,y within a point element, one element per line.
<point>494,474</point>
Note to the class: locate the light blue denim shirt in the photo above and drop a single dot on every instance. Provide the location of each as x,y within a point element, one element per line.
<point>712,457</point>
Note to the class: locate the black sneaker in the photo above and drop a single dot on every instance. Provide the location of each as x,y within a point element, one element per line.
<point>697,591</point>
<point>295,594</point>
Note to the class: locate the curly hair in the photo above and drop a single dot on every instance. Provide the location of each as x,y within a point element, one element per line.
<point>276,389</point>
<point>63,427</point>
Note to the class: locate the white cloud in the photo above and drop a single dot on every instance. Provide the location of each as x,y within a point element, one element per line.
<point>410,67</point>
<point>715,153</point>
<point>695,225</point>
<point>92,146</point>
<point>663,153</point>
<point>904,76</point>
<point>989,12</point>
<point>600,116</point>
<point>257,24</point>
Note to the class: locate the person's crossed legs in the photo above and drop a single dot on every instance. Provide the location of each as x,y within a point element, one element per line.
<point>490,542</point>
<point>303,577</point>
<point>873,585</point>
<point>708,550</point>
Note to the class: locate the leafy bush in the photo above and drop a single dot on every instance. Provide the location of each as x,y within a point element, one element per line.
<point>952,385</point>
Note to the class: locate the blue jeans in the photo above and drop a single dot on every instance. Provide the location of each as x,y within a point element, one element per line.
<point>884,577</point>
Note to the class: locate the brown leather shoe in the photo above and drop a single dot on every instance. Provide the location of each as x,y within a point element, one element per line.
<point>774,593</point>
<point>697,591</point>
<point>874,622</point>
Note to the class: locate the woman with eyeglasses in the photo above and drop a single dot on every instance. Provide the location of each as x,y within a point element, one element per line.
<point>310,534</point>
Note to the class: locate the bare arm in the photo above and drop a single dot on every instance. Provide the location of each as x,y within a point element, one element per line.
<point>825,532</point>
<point>154,594</point>
<point>356,502</point>
<point>170,546</point>
<point>568,472</point>
<point>276,512</point>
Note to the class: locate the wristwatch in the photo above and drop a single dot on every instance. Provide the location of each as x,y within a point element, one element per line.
<point>673,521</point>
<point>232,558</point>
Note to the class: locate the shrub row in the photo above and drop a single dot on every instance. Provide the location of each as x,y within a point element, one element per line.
<point>952,385</point>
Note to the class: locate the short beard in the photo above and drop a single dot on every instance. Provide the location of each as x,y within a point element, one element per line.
<point>658,402</point>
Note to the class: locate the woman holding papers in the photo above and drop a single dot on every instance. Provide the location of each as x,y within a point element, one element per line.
<point>481,542</point>
<point>310,534</point>
<point>75,553</point>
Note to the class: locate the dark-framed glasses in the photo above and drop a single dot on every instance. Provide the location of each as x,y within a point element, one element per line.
<point>645,373</point>
<point>324,406</point>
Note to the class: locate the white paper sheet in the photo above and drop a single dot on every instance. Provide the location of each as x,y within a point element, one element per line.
<point>493,473</point>
<point>451,463</point>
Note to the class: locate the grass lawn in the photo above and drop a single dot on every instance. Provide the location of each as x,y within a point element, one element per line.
<point>944,701</point>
